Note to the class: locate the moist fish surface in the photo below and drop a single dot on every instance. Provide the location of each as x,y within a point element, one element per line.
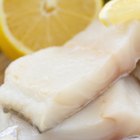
<point>112,116</point>
<point>51,85</point>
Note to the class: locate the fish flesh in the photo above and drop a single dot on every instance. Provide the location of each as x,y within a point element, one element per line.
<point>112,116</point>
<point>53,84</point>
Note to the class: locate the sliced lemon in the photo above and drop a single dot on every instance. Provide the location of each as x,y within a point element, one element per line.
<point>120,11</point>
<point>30,25</point>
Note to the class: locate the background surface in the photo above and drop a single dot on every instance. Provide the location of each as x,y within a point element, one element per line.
<point>4,61</point>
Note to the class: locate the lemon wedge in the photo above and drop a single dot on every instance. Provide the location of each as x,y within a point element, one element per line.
<point>29,25</point>
<point>120,11</point>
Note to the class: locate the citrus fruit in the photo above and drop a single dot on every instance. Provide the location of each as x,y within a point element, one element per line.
<point>30,25</point>
<point>120,11</point>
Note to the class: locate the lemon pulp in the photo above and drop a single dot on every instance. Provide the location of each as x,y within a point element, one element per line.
<point>30,25</point>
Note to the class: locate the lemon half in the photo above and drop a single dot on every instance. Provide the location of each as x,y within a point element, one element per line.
<point>120,11</point>
<point>30,25</point>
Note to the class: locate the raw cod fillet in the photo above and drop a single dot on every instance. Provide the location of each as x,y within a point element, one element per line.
<point>112,116</point>
<point>51,85</point>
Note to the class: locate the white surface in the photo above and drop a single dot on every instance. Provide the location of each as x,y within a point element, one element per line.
<point>9,134</point>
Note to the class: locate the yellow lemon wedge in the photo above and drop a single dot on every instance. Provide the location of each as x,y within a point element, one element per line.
<point>29,25</point>
<point>120,11</point>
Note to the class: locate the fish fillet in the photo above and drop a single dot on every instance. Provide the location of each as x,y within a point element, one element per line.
<point>51,85</point>
<point>114,115</point>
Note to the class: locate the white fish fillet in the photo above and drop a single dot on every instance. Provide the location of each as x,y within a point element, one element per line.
<point>112,116</point>
<point>50,85</point>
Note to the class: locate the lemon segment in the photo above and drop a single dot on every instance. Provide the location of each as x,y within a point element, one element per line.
<point>30,25</point>
<point>120,11</point>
